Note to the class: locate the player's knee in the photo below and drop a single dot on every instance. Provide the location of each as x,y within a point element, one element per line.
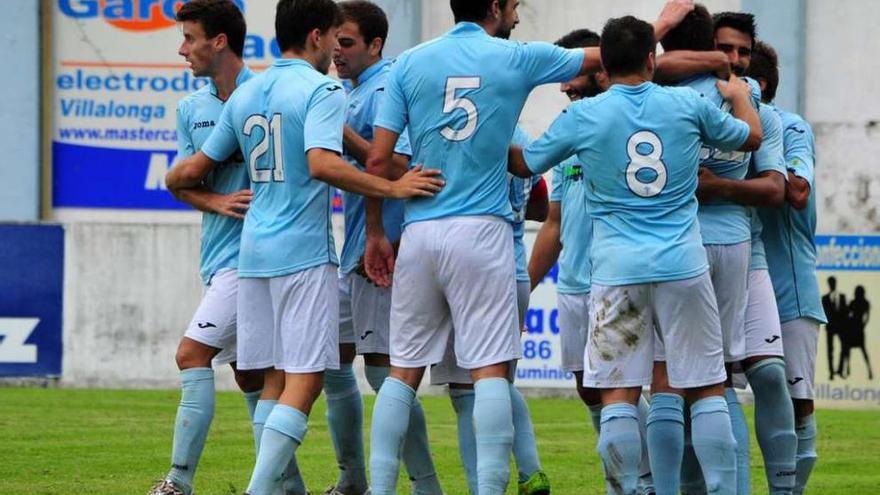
<point>248,380</point>
<point>191,354</point>
<point>347,353</point>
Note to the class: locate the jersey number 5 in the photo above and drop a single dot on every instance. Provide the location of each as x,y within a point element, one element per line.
<point>271,132</point>
<point>452,103</point>
<point>645,152</point>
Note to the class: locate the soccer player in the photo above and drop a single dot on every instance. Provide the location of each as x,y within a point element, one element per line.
<point>640,145</point>
<point>789,240</point>
<point>532,480</point>
<point>358,60</point>
<point>461,96</point>
<point>725,222</point>
<point>213,41</point>
<point>288,122</point>
<point>565,237</point>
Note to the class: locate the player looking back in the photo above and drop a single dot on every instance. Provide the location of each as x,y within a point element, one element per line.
<point>288,121</point>
<point>213,41</point>
<point>789,234</point>
<point>640,144</point>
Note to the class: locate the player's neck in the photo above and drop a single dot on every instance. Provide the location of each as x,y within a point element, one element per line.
<point>630,80</point>
<point>356,81</point>
<point>227,75</point>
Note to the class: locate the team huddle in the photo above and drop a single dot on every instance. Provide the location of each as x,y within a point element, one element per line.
<point>681,215</point>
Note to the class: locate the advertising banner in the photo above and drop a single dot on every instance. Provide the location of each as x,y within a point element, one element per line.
<point>117,78</point>
<point>849,281</point>
<point>32,288</point>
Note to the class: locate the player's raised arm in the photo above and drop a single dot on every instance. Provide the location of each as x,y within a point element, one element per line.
<point>678,65</point>
<point>189,172</point>
<point>672,14</point>
<point>739,94</point>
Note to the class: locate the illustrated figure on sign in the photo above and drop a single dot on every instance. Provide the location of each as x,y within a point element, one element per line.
<point>834,304</point>
<point>858,313</point>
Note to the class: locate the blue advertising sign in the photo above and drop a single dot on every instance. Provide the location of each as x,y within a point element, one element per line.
<point>31,298</point>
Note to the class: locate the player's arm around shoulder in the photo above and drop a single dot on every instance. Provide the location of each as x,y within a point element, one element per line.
<point>739,94</point>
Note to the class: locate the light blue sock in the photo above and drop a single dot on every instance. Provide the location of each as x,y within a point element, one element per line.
<point>806,451</point>
<point>774,424</point>
<point>666,441</point>
<point>391,414</point>
<point>692,482</point>
<point>493,428</point>
<point>261,414</point>
<point>345,420</point>
<point>620,446</point>
<point>283,433</point>
<point>463,404</point>
<point>646,480</point>
<point>525,449</point>
<point>251,399</point>
<point>194,415</point>
<point>416,452</point>
<point>741,434</point>
<point>714,444</point>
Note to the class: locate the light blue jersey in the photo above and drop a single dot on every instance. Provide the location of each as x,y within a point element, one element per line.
<point>576,231</point>
<point>519,192</point>
<point>769,158</point>
<point>276,118</point>
<point>790,234</point>
<point>363,104</point>
<point>461,96</point>
<point>197,115</point>
<point>722,222</point>
<point>640,146</point>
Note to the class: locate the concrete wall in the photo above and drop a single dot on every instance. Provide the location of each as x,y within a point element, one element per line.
<point>20,111</point>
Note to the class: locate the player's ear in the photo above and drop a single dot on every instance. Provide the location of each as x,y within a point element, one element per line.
<point>495,10</point>
<point>375,47</point>
<point>651,63</point>
<point>314,38</point>
<point>221,41</point>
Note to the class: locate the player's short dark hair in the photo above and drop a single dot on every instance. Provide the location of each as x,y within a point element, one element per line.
<point>740,21</point>
<point>765,67</point>
<point>579,38</point>
<point>295,19</point>
<point>696,32</point>
<point>217,17</point>
<point>626,44</point>
<point>473,10</point>
<point>370,18</point>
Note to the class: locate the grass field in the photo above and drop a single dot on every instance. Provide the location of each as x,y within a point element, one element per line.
<point>117,442</point>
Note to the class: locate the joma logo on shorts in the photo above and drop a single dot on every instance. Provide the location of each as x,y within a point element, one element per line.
<point>203,124</point>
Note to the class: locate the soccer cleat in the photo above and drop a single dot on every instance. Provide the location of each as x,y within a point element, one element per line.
<point>537,484</point>
<point>165,487</point>
<point>333,491</point>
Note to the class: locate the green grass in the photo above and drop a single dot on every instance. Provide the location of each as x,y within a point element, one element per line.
<point>117,442</point>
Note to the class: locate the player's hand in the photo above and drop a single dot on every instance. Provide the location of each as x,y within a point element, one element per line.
<point>734,88</point>
<point>361,270</point>
<point>233,205</point>
<point>379,260</point>
<point>709,185</point>
<point>674,12</point>
<point>417,182</point>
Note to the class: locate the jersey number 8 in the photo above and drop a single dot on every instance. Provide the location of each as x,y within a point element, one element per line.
<point>644,161</point>
<point>271,132</point>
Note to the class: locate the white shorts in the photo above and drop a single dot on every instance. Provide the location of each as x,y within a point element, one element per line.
<point>447,371</point>
<point>371,315</point>
<point>574,325</point>
<point>763,331</point>
<point>729,269</point>
<point>455,272</point>
<point>628,322</point>
<point>800,338</point>
<point>290,323</point>
<point>213,323</point>
<point>346,327</point>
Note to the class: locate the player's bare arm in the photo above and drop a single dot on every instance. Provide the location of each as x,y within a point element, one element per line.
<point>547,245</point>
<point>797,191</point>
<point>537,207</point>
<point>516,163</point>
<point>767,189</point>
<point>359,148</point>
<point>189,172</point>
<point>233,205</point>
<point>679,65</point>
<point>672,14</point>
<point>329,167</point>
<point>739,94</point>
